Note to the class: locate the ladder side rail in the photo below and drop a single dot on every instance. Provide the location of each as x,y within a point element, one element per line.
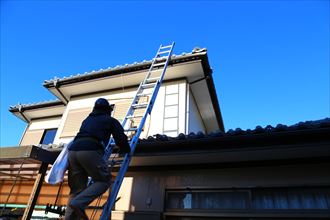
<point>120,177</point>
<point>140,88</point>
<point>123,169</point>
<point>111,143</point>
<point>144,118</point>
<point>150,104</point>
<point>152,99</point>
<point>167,62</point>
<point>115,188</point>
<point>130,109</point>
<point>121,174</point>
<point>109,148</point>
<point>155,59</point>
<point>152,64</point>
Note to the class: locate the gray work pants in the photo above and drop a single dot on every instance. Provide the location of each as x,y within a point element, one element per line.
<point>83,164</point>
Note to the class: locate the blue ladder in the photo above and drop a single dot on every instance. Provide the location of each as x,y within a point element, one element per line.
<point>153,81</point>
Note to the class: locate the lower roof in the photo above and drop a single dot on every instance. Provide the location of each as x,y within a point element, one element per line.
<point>305,142</point>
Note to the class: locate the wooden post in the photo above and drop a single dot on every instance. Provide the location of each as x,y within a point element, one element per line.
<point>35,191</point>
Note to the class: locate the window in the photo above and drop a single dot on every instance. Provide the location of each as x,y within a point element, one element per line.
<point>48,136</point>
<point>208,200</point>
<point>304,198</point>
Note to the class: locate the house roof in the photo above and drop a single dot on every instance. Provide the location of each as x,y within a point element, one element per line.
<point>36,110</point>
<point>279,136</point>
<point>196,71</point>
<point>238,132</point>
<point>301,143</point>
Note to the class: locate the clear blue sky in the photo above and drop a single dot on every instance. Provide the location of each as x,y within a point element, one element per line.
<point>270,58</point>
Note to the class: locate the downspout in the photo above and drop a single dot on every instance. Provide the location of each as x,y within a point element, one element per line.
<point>21,112</point>
<point>57,88</point>
<point>200,79</point>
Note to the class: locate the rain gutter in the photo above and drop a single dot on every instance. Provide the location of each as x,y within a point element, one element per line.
<point>57,88</point>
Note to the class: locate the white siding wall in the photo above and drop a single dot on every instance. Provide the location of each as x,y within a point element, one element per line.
<point>174,109</point>
<point>45,123</point>
<point>154,124</point>
<point>194,122</point>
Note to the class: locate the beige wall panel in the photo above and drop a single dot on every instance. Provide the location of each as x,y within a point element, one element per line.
<point>32,137</point>
<point>121,109</point>
<point>73,121</point>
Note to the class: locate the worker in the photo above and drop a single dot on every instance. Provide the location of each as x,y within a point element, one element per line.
<point>86,158</point>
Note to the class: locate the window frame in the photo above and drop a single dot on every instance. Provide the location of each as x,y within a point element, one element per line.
<point>249,212</point>
<point>44,134</point>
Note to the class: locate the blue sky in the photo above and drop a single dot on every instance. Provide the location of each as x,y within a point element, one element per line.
<point>270,58</point>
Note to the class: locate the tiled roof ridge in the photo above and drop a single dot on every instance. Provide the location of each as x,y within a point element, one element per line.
<point>311,124</point>
<point>20,105</point>
<point>194,51</point>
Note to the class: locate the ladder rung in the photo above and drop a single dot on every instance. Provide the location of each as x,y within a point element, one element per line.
<point>144,94</point>
<point>118,162</point>
<point>130,129</point>
<point>159,64</point>
<point>153,79</point>
<point>164,47</point>
<point>142,105</point>
<point>134,116</point>
<point>160,59</point>
<point>149,85</point>
<point>163,52</point>
<point>113,162</point>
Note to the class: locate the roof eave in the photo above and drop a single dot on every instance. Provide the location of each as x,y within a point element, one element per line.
<point>25,107</point>
<point>116,71</point>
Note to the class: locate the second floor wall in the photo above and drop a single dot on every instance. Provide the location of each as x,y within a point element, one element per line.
<point>175,111</point>
<point>40,131</point>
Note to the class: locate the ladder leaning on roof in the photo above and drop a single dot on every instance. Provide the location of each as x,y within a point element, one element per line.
<point>152,81</point>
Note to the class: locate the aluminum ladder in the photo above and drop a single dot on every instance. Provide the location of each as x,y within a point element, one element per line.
<point>149,87</point>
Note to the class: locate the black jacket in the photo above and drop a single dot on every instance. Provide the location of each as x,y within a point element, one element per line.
<point>95,133</point>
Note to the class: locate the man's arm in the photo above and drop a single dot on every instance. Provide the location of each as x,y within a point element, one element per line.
<point>120,137</point>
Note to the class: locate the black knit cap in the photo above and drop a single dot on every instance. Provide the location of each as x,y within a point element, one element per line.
<point>102,105</point>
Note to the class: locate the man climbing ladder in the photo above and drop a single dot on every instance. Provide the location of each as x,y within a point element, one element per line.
<point>85,158</point>
<point>85,152</point>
